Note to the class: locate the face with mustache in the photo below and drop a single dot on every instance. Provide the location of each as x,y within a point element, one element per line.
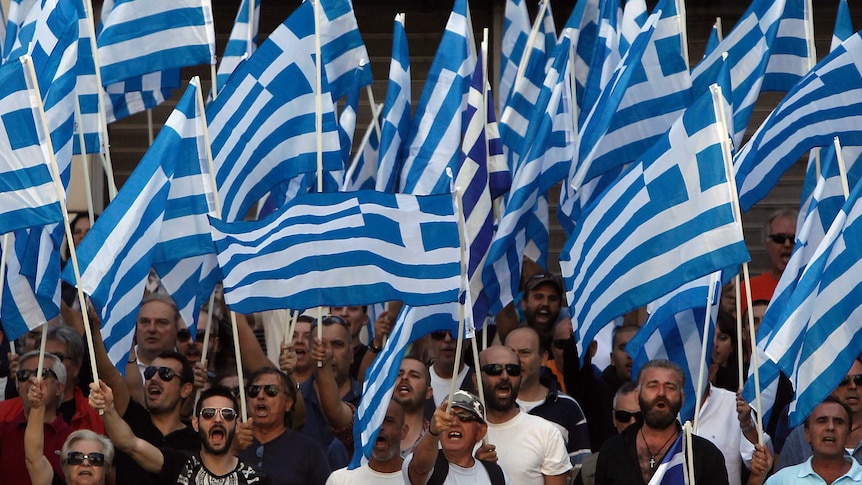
<point>826,429</point>
<point>660,397</point>
<point>501,390</point>
<point>388,443</point>
<point>269,411</point>
<point>779,254</point>
<point>166,396</point>
<point>541,307</point>
<point>216,433</point>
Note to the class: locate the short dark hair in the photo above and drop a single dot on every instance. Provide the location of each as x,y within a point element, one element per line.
<point>216,391</point>
<point>623,328</point>
<point>841,403</point>
<point>329,320</point>
<point>187,374</point>
<point>72,339</point>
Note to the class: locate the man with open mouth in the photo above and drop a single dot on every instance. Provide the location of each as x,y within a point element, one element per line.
<point>215,421</point>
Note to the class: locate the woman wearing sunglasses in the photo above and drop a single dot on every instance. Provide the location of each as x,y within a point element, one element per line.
<point>86,456</point>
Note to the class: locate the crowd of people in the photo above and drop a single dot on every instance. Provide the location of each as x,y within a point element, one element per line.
<point>526,410</point>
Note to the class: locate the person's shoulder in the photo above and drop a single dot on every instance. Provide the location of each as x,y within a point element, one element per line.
<point>251,474</point>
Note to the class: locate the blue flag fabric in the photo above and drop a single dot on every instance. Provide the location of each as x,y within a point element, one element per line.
<point>396,113</point>
<point>242,42</point>
<point>825,102</point>
<point>142,36</point>
<point>634,242</point>
<point>352,247</point>
<point>28,196</point>
<point>158,218</point>
<point>262,125</point>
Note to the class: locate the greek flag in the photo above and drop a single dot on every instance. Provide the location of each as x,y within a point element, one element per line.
<point>516,32</point>
<point>768,27</point>
<point>50,37</point>
<point>434,140</point>
<point>262,125</point>
<point>826,308</point>
<point>158,218</point>
<point>396,112</point>
<point>412,324</point>
<point>713,40</point>
<point>672,470</point>
<point>522,97</point>
<point>674,331</point>
<point>242,42</point>
<point>584,23</point>
<point>342,47</point>
<point>606,56</point>
<point>141,36</point>
<point>823,105</point>
<point>18,24</point>
<point>28,197</point>
<point>134,95</point>
<point>843,25</point>
<point>87,89</point>
<point>649,91</point>
<point>347,118</point>
<point>363,169</point>
<point>635,241</point>
<point>545,164</point>
<point>23,308</point>
<point>352,247</point>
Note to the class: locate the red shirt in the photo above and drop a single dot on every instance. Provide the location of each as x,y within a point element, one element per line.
<point>12,464</point>
<point>85,416</point>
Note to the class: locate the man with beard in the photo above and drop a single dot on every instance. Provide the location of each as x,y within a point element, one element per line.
<point>286,456</point>
<point>384,467</point>
<point>444,455</point>
<point>633,456</point>
<point>826,428</point>
<point>531,450</point>
<point>541,303</point>
<point>214,421</point>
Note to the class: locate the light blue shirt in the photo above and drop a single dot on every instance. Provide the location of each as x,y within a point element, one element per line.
<point>804,474</point>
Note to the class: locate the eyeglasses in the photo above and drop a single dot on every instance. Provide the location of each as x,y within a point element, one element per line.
<point>23,375</point>
<point>513,370</point>
<point>270,390</point>
<point>330,319</point>
<point>560,343</point>
<point>441,335</point>
<point>228,414</point>
<point>782,237</point>
<point>77,458</point>
<point>184,334</point>
<point>625,416</point>
<point>857,379</point>
<point>466,417</point>
<point>165,373</point>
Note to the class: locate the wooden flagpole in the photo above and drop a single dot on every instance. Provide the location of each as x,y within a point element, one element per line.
<point>84,159</point>
<point>318,123</point>
<point>710,295</point>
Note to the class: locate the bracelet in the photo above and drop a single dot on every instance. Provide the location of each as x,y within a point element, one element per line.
<point>135,361</point>
<point>432,433</point>
<point>373,348</point>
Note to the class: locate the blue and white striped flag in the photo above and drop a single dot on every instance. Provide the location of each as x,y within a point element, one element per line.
<point>606,56</point>
<point>768,27</point>
<point>23,308</point>
<point>28,196</point>
<point>634,243</point>
<point>584,23</point>
<point>352,247</point>
<point>434,141</point>
<point>362,173</point>
<point>396,113</point>
<point>142,36</point>
<point>545,164</point>
<point>674,331</point>
<point>242,42</point>
<point>262,125</point>
<point>158,218</point>
<point>713,39</point>
<point>823,105</point>
<point>51,40</point>
<point>635,15</point>
<point>341,47</point>
<point>412,324</point>
<point>650,89</point>
<point>516,32</point>
<point>843,25</point>
<point>673,470</point>
<point>826,309</point>
<point>18,24</point>
<point>347,118</point>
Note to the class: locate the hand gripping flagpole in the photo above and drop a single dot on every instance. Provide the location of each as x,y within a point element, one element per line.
<point>217,207</point>
<point>30,74</point>
<point>728,164</point>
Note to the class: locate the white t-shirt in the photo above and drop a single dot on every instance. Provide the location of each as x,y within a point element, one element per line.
<point>529,447</point>
<point>362,476</point>
<point>475,475</point>
<point>442,386</point>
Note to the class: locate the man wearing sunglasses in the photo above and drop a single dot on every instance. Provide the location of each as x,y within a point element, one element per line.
<point>444,455</point>
<point>797,449</point>
<point>56,430</point>
<point>443,347</point>
<point>285,455</point>
<point>215,422</point>
<point>531,450</point>
<point>779,237</point>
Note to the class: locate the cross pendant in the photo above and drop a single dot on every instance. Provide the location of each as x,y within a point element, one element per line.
<point>651,463</point>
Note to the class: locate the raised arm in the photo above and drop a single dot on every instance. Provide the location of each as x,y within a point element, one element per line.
<point>337,412</point>
<point>109,373</point>
<point>425,452</point>
<point>38,465</point>
<point>145,454</point>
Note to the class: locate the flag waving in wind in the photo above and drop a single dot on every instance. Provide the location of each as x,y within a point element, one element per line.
<point>158,217</point>
<point>666,221</point>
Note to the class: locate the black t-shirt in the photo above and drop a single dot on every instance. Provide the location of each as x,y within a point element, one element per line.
<point>181,468</point>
